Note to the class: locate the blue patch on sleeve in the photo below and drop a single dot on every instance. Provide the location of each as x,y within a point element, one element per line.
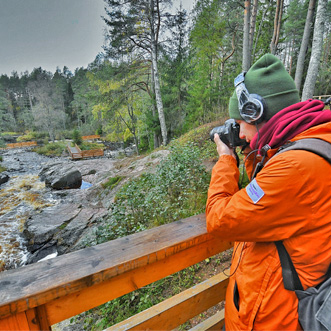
<point>254,191</point>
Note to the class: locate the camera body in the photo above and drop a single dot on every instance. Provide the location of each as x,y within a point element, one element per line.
<point>229,134</point>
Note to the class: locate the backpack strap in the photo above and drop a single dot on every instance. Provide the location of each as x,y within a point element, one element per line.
<point>290,276</point>
<point>322,148</point>
<point>314,145</point>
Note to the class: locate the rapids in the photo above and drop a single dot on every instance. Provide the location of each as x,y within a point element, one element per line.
<point>22,194</point>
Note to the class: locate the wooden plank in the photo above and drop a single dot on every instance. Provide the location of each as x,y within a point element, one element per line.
<point>15,322</point>
<point>75,152</point>
<point>214,322</point>
<point>23,144</point>
<point>92,153</point>
<point>32,319</point>
<point>41,317</point>
<point>77,149</point>
<point>83,274</point>
<point>178,309</point>
<point>67,274</point>
<point>88,298</point>
<point>321,96</point>
<point>95,136</point>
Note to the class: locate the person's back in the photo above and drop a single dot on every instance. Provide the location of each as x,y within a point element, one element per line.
<point>288,200</point>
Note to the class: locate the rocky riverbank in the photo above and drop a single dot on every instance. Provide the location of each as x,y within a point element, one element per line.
<point>72,213</point>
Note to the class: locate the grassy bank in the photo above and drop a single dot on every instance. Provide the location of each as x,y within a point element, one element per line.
<point>176,190</point>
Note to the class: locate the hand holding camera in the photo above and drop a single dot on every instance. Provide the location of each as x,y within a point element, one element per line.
<point>229,135</point>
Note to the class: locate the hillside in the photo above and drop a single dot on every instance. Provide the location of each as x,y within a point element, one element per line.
<point>140,172</point>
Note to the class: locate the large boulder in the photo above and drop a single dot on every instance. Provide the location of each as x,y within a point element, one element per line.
<point>4,178</point>
<point>57,229</point>
<point>41,228</point>
<point>61,176</point>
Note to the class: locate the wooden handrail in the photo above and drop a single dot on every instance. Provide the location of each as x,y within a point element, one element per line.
<point>181,307</point>
<point>77,153</point>
<point>36,296</point>
<point>92,153</point>
<point>94,136</point>
<point>321,96</point>
<point>22,144</point>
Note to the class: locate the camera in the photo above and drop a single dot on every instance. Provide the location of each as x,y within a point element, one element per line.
<point>229,134</point>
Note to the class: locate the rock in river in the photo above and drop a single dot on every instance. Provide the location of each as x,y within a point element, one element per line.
<point>61,176</point>
<point>4,178</point>
<point>57,229</point>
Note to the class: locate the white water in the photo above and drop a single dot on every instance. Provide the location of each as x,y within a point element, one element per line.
<point>22,194</point>
<point>18,197</point>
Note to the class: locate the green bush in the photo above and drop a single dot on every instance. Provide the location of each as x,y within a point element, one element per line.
<point>177,190</point>
<point>99,131</point>
<point>77,137</point>
<point>51,149</point>
<point>40,135</point>
<point>8,134</point>
<point>145,144</point>
<point>26,137</point>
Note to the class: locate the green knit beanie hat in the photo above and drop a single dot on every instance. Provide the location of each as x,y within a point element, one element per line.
<point>268,78</point>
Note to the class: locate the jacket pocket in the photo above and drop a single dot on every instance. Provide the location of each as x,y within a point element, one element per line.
<point>236,296</point>
<point>251,287</point>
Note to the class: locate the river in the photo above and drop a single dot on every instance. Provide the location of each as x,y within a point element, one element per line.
<point>22,194</point>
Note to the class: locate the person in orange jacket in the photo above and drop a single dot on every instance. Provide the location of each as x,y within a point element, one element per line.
<point>288,200</point>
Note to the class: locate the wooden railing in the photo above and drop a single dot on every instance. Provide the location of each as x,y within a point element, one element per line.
<point>76,153</point>
<point>95,136</point>
<point>36,296</point>
<point>325,96</point>
<point>92,153</point>
<point>23,144</point>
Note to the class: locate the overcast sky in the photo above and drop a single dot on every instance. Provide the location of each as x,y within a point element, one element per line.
<point>52,33</point>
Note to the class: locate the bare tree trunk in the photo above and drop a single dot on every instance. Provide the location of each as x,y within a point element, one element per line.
<point>277,25</point>
<point>304,44</point>
<point>291,57</point>
<point>316,53</point>
<point>155,135</point>
<point>252,26</point>
<point>286,56</point>
<point>136,144</point>
<point>246,63</point>
<point>159,103</point>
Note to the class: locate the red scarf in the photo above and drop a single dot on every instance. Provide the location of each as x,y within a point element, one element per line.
<point>289,122</point>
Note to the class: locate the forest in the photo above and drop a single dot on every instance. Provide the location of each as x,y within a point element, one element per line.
<point>163,73</point>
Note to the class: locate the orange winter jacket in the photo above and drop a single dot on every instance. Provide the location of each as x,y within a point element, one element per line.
<point>289,200</point>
